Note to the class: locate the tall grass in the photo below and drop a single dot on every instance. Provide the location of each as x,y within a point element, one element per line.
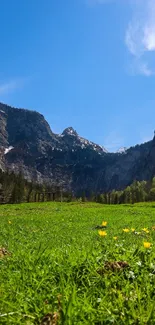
<point>57,262</point>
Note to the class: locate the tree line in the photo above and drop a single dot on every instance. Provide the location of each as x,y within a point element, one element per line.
<point>138,191</point>
<point>16,189</point>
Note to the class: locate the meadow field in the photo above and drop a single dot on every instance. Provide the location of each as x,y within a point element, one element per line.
<point>84,263</point>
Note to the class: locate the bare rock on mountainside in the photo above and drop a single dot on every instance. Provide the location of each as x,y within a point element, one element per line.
<point>28,145</point>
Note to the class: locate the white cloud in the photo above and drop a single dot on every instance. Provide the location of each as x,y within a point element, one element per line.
<point>141,68</point>
<point>10,86</point>
<point>140,36</point>
<point>144,69</point>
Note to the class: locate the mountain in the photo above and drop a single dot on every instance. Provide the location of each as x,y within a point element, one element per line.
<point>28,145</point>
<point>122,150</point>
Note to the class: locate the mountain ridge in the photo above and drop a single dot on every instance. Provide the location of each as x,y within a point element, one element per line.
<point>28,145</point>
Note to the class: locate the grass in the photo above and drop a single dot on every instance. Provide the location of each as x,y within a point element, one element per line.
<point>56,251</point>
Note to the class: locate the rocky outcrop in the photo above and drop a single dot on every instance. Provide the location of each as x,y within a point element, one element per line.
<point>28,145</point>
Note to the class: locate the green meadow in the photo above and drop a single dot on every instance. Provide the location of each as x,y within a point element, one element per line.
<point>57,259</point>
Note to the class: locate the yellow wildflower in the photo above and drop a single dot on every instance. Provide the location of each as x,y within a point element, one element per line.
<point>132,229</point>
<point>9,222</point>
<point>145,229</point>
<point>102,233</point>
<point>126,230</point>
<point>115,237</point>
<point>147,244</point>
<point>104,223</point>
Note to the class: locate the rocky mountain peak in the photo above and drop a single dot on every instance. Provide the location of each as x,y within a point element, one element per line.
<point>69,131</point>
<point>122,150</point>
<point>28,145</point>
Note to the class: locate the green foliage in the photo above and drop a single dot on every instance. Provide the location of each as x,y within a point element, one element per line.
<point>136,192</point>
<point>15,189</point>
<point>56,249</point>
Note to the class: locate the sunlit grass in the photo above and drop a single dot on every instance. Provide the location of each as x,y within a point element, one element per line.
<point>59,249</point>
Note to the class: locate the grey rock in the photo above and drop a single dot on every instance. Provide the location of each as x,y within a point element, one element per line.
<point>28,145</point>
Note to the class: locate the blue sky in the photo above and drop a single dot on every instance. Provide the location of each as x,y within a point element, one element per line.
<point>89,64</point>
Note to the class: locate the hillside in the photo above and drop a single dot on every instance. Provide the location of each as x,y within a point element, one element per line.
<point>28,145</point>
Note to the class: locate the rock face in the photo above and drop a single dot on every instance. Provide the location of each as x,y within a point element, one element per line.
<point>28,145</point>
